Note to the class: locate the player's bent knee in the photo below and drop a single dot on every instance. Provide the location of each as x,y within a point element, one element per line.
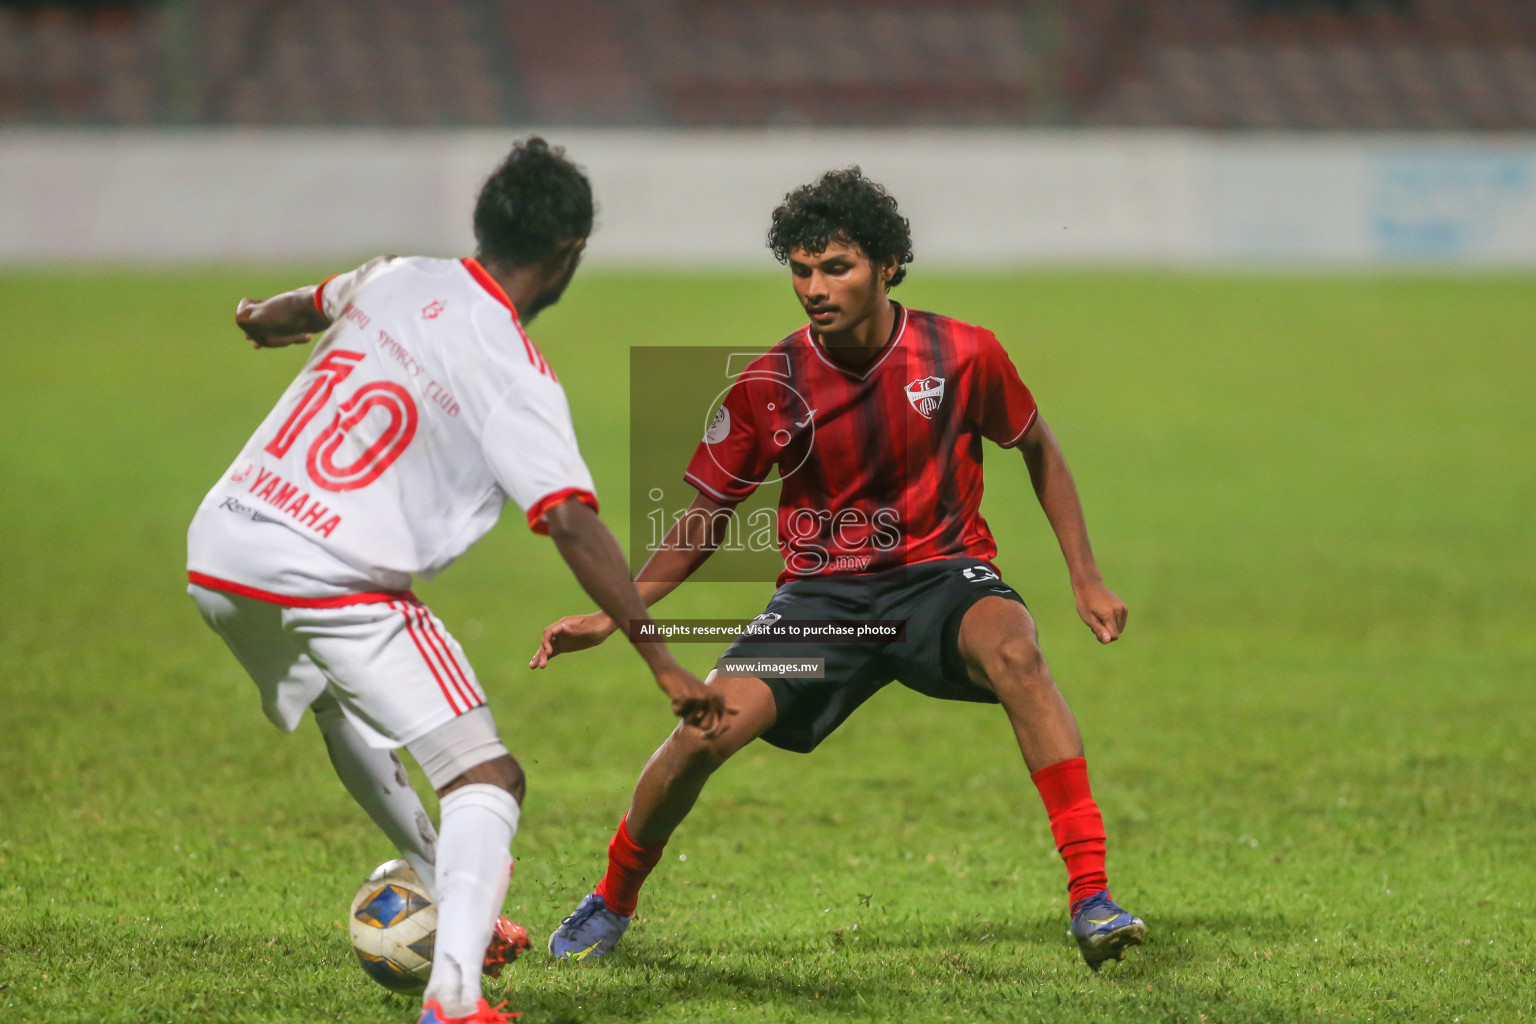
<point>698,753</point>
<point>1015,661</point>
<point>468,744</point>
<point>503,772</point>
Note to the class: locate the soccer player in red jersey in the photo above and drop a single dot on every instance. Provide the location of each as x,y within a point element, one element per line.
<point>874,415</point>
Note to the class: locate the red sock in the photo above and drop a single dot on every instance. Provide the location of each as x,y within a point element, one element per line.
<point>1076,824</point>
<point>629,864</point>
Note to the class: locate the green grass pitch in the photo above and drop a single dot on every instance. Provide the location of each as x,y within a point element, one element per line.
<point>1313,747</point>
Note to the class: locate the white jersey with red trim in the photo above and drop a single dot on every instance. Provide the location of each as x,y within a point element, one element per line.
<point>422,410</point>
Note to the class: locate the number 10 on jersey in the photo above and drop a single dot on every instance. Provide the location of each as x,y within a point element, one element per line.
<point>378,454</point>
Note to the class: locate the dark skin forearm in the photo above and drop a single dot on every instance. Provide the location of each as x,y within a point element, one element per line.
<point>1099,607</point>
<point>286,319</point>
<point>692,539</point>
<point>597,562</point>
<point>1057,494</point>
<point>688,545</point>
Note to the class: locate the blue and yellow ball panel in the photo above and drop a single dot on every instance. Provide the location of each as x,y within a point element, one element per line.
<point>389,906</point>
<point>388,973</point>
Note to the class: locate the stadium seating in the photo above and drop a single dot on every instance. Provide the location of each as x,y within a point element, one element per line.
<point>354,62</point>
<point>1223,64</point>
<point>1214,63</point>
<point>791,62</point>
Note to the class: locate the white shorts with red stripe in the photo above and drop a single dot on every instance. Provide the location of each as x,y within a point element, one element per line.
<point>391,664</point>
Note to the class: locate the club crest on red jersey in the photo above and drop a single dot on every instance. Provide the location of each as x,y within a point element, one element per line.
<point>925,394</point>
<point>719,427</point>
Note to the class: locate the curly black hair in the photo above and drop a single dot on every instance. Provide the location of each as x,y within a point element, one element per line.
<point>842,206</point>
<point>534,202</point>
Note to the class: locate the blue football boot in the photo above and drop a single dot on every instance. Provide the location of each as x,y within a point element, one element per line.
<point>1104,930</point>
<point>592,930</point>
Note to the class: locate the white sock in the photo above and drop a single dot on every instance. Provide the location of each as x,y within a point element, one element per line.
<point>474,864</point>
<point>379,783</point>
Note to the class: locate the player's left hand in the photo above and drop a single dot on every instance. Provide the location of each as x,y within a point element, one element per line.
<point>572,633</point>
<point>1101,610</point>
<point>696,704</point>
<point>248,319</point>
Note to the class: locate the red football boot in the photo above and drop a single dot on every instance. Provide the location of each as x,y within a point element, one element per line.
<point>508,942</point>
<point>483,1013</point>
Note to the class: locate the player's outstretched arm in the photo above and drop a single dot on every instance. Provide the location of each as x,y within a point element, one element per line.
<point>690,542</point>
<point>1097,604</point>
<point>597,561</point>
<point>286,319</point>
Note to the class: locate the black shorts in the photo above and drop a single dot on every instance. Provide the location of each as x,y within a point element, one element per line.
<point>931,596</point>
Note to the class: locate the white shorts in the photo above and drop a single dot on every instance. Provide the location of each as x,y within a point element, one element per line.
<point>392,666</point>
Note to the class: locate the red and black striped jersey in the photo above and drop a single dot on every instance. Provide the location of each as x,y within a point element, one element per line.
<point>879,467</point>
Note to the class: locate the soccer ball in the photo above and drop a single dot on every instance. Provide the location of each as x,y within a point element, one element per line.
<point>394,925</point>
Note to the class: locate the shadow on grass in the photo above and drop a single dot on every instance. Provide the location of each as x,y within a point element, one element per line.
<point>912,965</point>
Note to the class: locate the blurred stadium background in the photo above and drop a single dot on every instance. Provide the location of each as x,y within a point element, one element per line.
<point>1016,131</point>
<point>1231,64</point>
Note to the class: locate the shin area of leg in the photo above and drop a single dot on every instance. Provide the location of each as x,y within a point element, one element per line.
<point>379,783</point>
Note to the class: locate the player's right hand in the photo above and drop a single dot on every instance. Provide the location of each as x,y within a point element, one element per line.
<point>248,319</point>
<point>692,701</point>
<point>572,633</point>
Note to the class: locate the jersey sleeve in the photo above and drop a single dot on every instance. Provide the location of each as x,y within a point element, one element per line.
<point>728,464</point>
<point>1005,410</point>
<point>333,294</point>
<point>530,445</point>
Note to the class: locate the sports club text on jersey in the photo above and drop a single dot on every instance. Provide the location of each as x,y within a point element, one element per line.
<point>422,410</point>
<point>880,467</point>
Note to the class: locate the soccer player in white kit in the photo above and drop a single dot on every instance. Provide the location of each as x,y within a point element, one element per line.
<point>423,408</point>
